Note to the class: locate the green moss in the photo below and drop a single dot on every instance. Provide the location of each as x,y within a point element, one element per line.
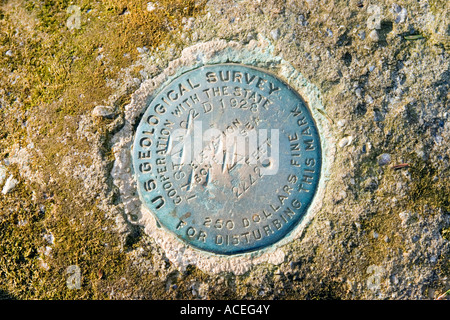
<point>437,6</point>
<point>53,77</point>
<point>429,186</point>
<point>328,290</point>
<point>446,234</point>
<point>21,227</point>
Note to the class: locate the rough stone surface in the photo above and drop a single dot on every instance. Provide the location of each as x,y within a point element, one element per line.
<point>378,72</point>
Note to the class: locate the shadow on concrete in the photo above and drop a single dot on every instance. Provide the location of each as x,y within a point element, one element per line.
<point>5,295</point>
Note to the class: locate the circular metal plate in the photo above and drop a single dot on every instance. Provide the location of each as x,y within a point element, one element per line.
<point>228,158</point>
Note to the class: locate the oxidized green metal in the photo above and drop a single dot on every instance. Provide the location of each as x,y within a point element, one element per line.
<point>228,158</point>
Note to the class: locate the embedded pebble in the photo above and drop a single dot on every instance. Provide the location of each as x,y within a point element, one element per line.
<point>341,195</point>
<point>406,217</point>
<point>22,223</point>
<point>438,139</point>
<point>142,50</point>
<point>151,6</point>
<point>377,116</point>
<point>373,35</point>
<point>384,159</point>
<point>341,123</point>
<point>402,13</point>
<point>49,238</point>
<point>362,35</point>
<point>2,174</point>
<point>302,21</point>
<point>10,184</point>
<point>275,34</point>
<point>44,265</point>
<point>345,141</point>
<point>103,112</point>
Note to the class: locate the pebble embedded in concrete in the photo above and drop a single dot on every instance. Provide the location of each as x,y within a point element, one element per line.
<point>373,35</point>
<point>275,34</point>
<point>2,174</point>
<point>345,141</point>
<point>384,159</point>
<point>10,184</point>
<point>103,112</point>
<point>151,6</point>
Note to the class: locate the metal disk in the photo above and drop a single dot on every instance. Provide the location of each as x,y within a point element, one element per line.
<point>228,158</point>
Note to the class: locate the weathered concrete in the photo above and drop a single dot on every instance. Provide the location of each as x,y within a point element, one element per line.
<point>376,77</point>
